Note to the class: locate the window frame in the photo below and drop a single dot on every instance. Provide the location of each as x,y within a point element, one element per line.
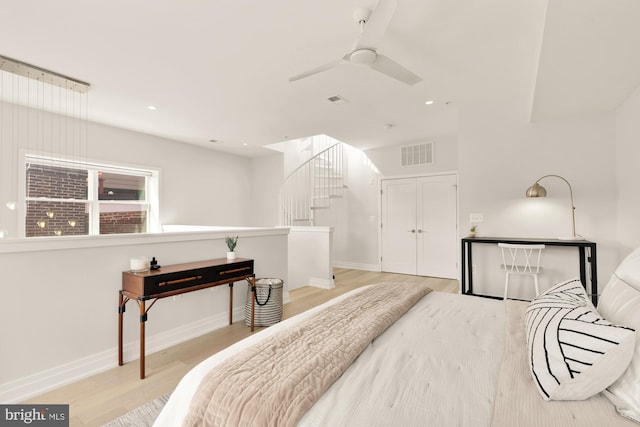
<point>151,190</point>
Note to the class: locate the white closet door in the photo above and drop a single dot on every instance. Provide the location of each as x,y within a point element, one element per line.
<point>399,226</point>
<point>437,226</point>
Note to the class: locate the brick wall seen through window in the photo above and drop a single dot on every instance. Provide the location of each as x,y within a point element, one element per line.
<point>58,201</point>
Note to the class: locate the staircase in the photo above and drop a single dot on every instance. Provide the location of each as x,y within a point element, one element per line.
<point>312,186</point>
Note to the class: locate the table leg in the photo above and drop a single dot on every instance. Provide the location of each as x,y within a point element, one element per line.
<point>469,269</point>
<point>121,304</point>
<point>231,303</point>
<point>594,274</point>
<point>583,270</point>
<point>143,319</point>
<point>463,267</point>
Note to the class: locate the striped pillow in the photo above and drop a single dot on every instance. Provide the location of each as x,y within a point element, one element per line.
<point>573,352</point>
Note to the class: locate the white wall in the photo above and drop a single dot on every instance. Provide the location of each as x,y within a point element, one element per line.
<point>58,313</point>
<point>266,178</point>
<point>388,160</point>
<point>498,153</point>
<point>628,173</point>
<point>295,152</point>
<point>311,257</point>
<point>501,154</point>
<point>198,185</point>
<point>60,297</point>
<point>62,303</point>
<point>355,217</point>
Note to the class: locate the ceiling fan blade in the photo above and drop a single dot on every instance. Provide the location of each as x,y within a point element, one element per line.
<point>316,70</point>
<point>377,24</point>
<point>391,68</point>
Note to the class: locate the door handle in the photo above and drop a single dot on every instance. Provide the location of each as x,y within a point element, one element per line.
<point>413,230</point>
<point>420,230</point>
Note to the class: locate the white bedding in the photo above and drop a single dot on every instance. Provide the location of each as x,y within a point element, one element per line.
<point>407,376</point>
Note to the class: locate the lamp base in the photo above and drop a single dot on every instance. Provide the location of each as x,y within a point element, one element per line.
<point>572,238</point>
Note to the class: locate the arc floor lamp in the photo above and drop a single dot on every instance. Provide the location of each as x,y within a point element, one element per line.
<point>537,190</point>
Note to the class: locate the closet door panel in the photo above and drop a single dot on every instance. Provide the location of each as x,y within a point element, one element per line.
<point>437,226</point>
<point>399,226</point>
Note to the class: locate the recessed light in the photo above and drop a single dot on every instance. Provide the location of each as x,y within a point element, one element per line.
<point>244,144</point>
<point>429,102</point>
<point>152,107</point>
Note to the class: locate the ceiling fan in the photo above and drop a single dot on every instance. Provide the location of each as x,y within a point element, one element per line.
<point>373,25</point>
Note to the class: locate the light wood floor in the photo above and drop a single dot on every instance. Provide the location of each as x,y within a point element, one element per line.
<point>101,398</point>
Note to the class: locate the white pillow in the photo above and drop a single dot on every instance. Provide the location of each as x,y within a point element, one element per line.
<point>573,352</point>
<point>620,303</point>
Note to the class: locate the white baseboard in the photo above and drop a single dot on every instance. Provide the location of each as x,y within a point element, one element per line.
<point>24,388</point>
<point>357,266</point>
<point>321,283</point>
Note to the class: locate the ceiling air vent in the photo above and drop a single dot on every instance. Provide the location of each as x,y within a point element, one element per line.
<point>337,99</point>
<point>419,154</point>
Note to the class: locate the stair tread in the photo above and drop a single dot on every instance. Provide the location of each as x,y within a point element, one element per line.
<point>314,183</point>
<point>325,197</point>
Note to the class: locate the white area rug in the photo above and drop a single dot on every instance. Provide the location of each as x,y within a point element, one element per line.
<point>142,416</point>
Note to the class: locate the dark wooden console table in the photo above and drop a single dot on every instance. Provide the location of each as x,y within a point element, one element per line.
<point>178,279</point>
<point>466,276</point>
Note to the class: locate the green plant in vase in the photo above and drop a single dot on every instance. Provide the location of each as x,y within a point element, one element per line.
<point>231,245</point>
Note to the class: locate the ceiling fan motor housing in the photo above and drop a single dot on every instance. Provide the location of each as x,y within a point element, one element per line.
<point>363,57</point>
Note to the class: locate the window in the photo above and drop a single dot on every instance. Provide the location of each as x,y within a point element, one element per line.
<point>72,198</point>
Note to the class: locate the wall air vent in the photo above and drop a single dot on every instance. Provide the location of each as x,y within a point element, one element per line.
<point>419,154</point>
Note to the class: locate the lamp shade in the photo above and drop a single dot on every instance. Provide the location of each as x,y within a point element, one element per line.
<point>536,190</point>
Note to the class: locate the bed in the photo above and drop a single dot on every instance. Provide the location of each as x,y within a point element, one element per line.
<point>448,360</point>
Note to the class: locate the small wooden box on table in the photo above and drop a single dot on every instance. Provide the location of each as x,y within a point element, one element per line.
<point>178,279</point>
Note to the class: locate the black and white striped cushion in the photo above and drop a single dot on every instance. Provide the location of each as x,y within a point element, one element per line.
<point>573,352</point>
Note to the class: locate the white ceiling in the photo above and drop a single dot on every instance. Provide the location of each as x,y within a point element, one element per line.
<point>219,69</point>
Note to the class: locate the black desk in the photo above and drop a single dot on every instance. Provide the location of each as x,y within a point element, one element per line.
<point>466,278</point>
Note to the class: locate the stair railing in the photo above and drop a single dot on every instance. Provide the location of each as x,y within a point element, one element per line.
<point>311,186</point>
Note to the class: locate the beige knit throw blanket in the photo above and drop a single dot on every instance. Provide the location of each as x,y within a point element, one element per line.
<point>276,381</point>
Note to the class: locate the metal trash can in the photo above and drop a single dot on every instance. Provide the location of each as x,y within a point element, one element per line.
<point>268,303</point>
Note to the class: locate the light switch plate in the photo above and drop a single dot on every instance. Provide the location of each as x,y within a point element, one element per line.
<point>476,218</point>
